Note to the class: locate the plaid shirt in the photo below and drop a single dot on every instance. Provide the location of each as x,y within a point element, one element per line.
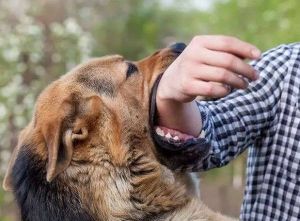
<point>265,118</point>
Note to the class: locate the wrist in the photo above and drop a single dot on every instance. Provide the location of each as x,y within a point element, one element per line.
<point>184,117</point>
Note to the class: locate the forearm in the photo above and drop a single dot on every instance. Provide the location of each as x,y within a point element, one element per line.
<point>184,117</point>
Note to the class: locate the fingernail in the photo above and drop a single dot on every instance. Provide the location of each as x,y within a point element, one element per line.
<point>255,53</point>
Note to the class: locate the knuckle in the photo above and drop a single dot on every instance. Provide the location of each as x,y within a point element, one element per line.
<point>208,90</point>
<point>197,39</point>
<point>186,90</point>
<point>225,41</point>
<point>223,75</point>
<point>184,86</point>
<point>230,62</point>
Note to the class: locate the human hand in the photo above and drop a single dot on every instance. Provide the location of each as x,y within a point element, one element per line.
<point>210,66</point>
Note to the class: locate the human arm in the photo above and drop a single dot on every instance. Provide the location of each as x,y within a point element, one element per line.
<point>239,120</point>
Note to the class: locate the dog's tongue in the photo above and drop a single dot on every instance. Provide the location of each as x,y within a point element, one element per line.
<point>172,134</point>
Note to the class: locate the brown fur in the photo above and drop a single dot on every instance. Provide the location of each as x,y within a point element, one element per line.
<point>91,129</point>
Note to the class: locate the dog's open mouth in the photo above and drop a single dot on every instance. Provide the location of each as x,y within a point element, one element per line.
<point>171,134</point>
<point>163,133</point>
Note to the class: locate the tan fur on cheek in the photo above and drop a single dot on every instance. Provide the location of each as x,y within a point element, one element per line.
<point>111,134</point>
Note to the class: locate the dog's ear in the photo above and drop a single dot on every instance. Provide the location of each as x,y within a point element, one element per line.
<point>72,123</point>
<point>61,127</point>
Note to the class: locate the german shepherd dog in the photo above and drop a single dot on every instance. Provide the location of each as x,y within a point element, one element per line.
<point>88,153</point>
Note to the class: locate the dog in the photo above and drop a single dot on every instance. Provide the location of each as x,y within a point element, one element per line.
<point>88,154</point>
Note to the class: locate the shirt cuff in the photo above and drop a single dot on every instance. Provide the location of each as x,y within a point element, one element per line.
<point>205,116</point>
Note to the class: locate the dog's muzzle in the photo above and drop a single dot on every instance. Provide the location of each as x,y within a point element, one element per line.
<point>175,155</point>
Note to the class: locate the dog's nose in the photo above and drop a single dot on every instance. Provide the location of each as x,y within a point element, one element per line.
<point>178,47</point>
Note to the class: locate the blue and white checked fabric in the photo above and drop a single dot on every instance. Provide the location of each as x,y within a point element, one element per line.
<point>265,118</point>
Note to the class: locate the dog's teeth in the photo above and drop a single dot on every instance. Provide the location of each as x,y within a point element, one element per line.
<point>168,135</point>
<point>176,138</point>
<point>160,132</point>
<point>202,135</point>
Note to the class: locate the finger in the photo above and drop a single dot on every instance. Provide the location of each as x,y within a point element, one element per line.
<point>228,61</point>
<point>207,89</point>
<point>228,44</point>
<point>221,75</point>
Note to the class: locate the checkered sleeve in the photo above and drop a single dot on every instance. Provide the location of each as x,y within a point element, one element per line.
<point>238,121</point>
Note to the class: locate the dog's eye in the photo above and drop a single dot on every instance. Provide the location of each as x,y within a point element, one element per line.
<point>131,70</point>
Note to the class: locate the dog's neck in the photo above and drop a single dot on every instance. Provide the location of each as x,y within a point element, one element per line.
<point>140,193</point>
<point>150,198</point>
<point>143,190</point>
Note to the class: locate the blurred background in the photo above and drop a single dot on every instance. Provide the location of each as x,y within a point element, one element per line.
<point>42,39</point>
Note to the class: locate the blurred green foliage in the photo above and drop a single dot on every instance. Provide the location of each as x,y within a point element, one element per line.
<point>265,23</point>
<point>42,40</point>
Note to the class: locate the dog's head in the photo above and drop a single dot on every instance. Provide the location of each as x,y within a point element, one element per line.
<point>90,131</point>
